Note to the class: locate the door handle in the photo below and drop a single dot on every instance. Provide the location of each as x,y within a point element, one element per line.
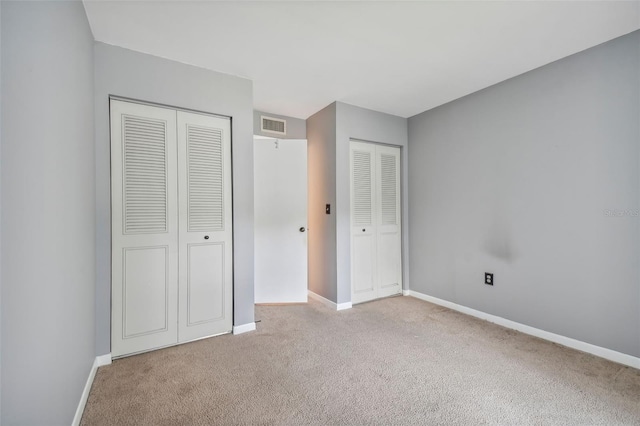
<point>206,237</point>
<point>363,230</point>
<point>302,229</point>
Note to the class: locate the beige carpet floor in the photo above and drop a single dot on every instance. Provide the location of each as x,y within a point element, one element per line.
<point>395,361</point>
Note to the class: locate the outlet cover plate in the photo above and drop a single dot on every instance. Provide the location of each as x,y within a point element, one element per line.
<point>488,278</point>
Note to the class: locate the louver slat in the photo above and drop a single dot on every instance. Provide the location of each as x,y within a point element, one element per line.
<point>362,188</point>
<point>388,187</point>
<point>144,175</point>
<point>205,175</point>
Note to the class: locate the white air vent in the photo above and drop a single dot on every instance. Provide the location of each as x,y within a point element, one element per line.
<point>273,125</point>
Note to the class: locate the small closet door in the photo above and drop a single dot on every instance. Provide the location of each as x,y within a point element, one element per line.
<point>205,229</point>
<point>144,228</point>
<point>376,232</point>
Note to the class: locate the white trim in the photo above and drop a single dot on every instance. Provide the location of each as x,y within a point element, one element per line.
<point>103,360</point>
<point>99,361</point>
<point>167,106</point>
<point>599,351</point>
<point>406,292</point>
<point>244,328</point>
<point>85,394</point>
<point>328,303</point>
<point>343,306</point>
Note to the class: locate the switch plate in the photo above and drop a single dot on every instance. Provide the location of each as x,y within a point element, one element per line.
<point>488,278</point>
<point>327,209</point>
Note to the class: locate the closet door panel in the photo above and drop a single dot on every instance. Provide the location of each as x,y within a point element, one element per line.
<point>389,278</point>
<point>363,266</point>
<point>388,225</point>
<point>144,228</point>
<point>145,283</point>
<point>205,283</point>
<point>363,236</point>
<point>205,223</point>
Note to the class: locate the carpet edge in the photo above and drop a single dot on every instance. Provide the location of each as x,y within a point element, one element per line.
<point>608,354</point>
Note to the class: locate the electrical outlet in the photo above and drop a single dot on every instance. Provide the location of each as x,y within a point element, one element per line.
<point>488,278</point>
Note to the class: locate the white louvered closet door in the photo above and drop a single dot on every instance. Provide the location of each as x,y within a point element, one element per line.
<point>205,235</point>
<point>144,228</point>
<point>388,225</point>
<point>376,234</point>
<point>363,232</point>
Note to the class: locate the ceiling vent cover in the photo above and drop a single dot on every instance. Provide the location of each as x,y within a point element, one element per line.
<point>274,125</point>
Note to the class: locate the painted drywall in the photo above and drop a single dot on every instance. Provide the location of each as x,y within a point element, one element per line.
<point>370,126</point>
<point>296,127</point>
<point>135,75</point>
<point>0,214</point>
<point>536,179</point>
<point>321,167</point>
<point>48,211</point>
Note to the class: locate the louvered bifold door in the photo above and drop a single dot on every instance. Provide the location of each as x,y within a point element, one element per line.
<point>388,224</point>
<point>144,227</point>
<point>363,235</point>
<point>205,228</point>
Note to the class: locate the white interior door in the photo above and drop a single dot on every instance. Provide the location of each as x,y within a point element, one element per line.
<point>205,226</point>
<point>280,211</point>
<point>376,231</point>
<point>144,228</point>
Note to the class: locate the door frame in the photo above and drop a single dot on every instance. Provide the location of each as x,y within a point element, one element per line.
<point>176,108</point>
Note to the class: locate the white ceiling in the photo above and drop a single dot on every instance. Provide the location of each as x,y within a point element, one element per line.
<point>397,57</point>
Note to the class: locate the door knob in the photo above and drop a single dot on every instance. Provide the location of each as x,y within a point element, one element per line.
<point>302,229</point>
<point>206,237</point>
<point>363,230</point>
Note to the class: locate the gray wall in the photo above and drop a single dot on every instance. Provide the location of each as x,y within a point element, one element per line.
<point>48,215</point>
<point>329,132</point>
<point>371,126</point>
<point>517,180</point>
<point>0,213</point>
<point>296,127</point>
<point>130,74</point>
<point>321,170</point>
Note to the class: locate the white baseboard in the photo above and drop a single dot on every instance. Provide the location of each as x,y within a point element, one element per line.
<point>103,360</point>
<point>329,303</point>
<point>406,292</point>
<point>98,362</point>
<point>244,328</point>
<point>343,306</point>
<point>599,351</point>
